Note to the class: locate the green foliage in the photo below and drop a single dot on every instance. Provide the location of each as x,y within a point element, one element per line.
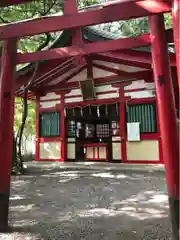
<point>31,119</point>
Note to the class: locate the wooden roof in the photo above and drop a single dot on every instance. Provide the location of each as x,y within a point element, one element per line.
<point>51,69</point>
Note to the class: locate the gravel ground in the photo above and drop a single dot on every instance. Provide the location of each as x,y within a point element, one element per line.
<point>64,204</point>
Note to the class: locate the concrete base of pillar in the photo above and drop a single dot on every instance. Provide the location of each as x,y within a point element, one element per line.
<point>174,212</point>
<point>4,209</point>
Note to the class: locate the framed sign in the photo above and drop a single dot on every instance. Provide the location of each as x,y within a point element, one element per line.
<point>133,131</point>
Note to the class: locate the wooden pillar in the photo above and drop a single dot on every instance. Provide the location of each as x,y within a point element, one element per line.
<point>62,130</point>
<point>122,124</point>
<point>37,156</point>
<point>6,125</point>
<point>176,31</point>
<point>71,7</point>
<point>167,114</point>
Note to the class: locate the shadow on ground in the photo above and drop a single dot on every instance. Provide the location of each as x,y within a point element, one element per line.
<point>85,204</point>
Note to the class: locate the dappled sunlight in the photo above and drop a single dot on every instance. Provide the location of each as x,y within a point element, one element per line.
<point>38,193</point>
<point>149,5</point>
<point>68,178</point>
<point>115,175</point>
<point>18,197</point>
<point>109,175</point>
<point>65,173</point>
<point>69,200</point>
<point>98,212</point>
<point>20,183</point>
<point>18,236</point>
<point>144,205</point>
<point>24,223</point>
<point>48,176</point>
<point>65,176</point>
<point>159,198</point>
<point>23,208</point>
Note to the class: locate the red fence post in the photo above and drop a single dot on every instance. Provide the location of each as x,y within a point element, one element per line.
<point>176,31</point>
<point>63,129</point>
<point>6,125</point>
<point>37,156</point>
<point>167,114</point>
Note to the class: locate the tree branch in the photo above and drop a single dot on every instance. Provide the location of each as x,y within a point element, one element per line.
<point>3,21</point>
<point>25,101</point>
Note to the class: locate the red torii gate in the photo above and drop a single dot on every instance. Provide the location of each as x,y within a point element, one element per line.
<point>72,19</point>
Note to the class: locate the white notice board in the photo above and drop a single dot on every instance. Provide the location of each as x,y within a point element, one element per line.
<point>133,131</point>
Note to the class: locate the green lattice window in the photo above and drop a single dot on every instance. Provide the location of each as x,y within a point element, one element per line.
<point>145,114</point>
<point>50,124</point>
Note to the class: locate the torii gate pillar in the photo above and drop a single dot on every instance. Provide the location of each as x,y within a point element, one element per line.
<point>167,114</point>
<point>7,78</point>
<point>176,31</point>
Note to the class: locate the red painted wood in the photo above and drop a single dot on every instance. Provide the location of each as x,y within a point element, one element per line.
<point>140,74</point>
<point>91,17</point>
<point>93,102</point>
<point>6,110</point>
<point>161,159</point>
<point>95,145</point>
<point>44,68</point>
<point>166,104</point>
<point>149,136</point>
<point>113,59</point>
<point>122,124</point>
<point>97,93</point>
<point>109,69</point>
<point>73,73</point>
<point>49,139</point>
<point>143,100</point>
<point>55,72</point>
<point>176,30</point>
<point>136,56</point>
<point>62,130</point>
<point>37,127</point>
<point>69,9</point>
<point>7,88</point>
<point>85,49</point>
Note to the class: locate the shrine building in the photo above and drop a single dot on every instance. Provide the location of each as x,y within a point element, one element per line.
<point>101,107</point>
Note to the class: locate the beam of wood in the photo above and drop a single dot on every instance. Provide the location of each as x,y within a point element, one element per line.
<point>111,59</point>
<point>136,56</point>
<point>109,69</point>
<point>72,8</point>
<point>85,49</point>
<point>72,73</point>
<point>123,11</point>
<point>48,77</point>
<point>105,80</point>
<point>5,3</point>
<point>117,71</point>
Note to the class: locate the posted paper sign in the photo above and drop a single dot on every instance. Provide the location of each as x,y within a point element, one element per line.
<point>133,131</point>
